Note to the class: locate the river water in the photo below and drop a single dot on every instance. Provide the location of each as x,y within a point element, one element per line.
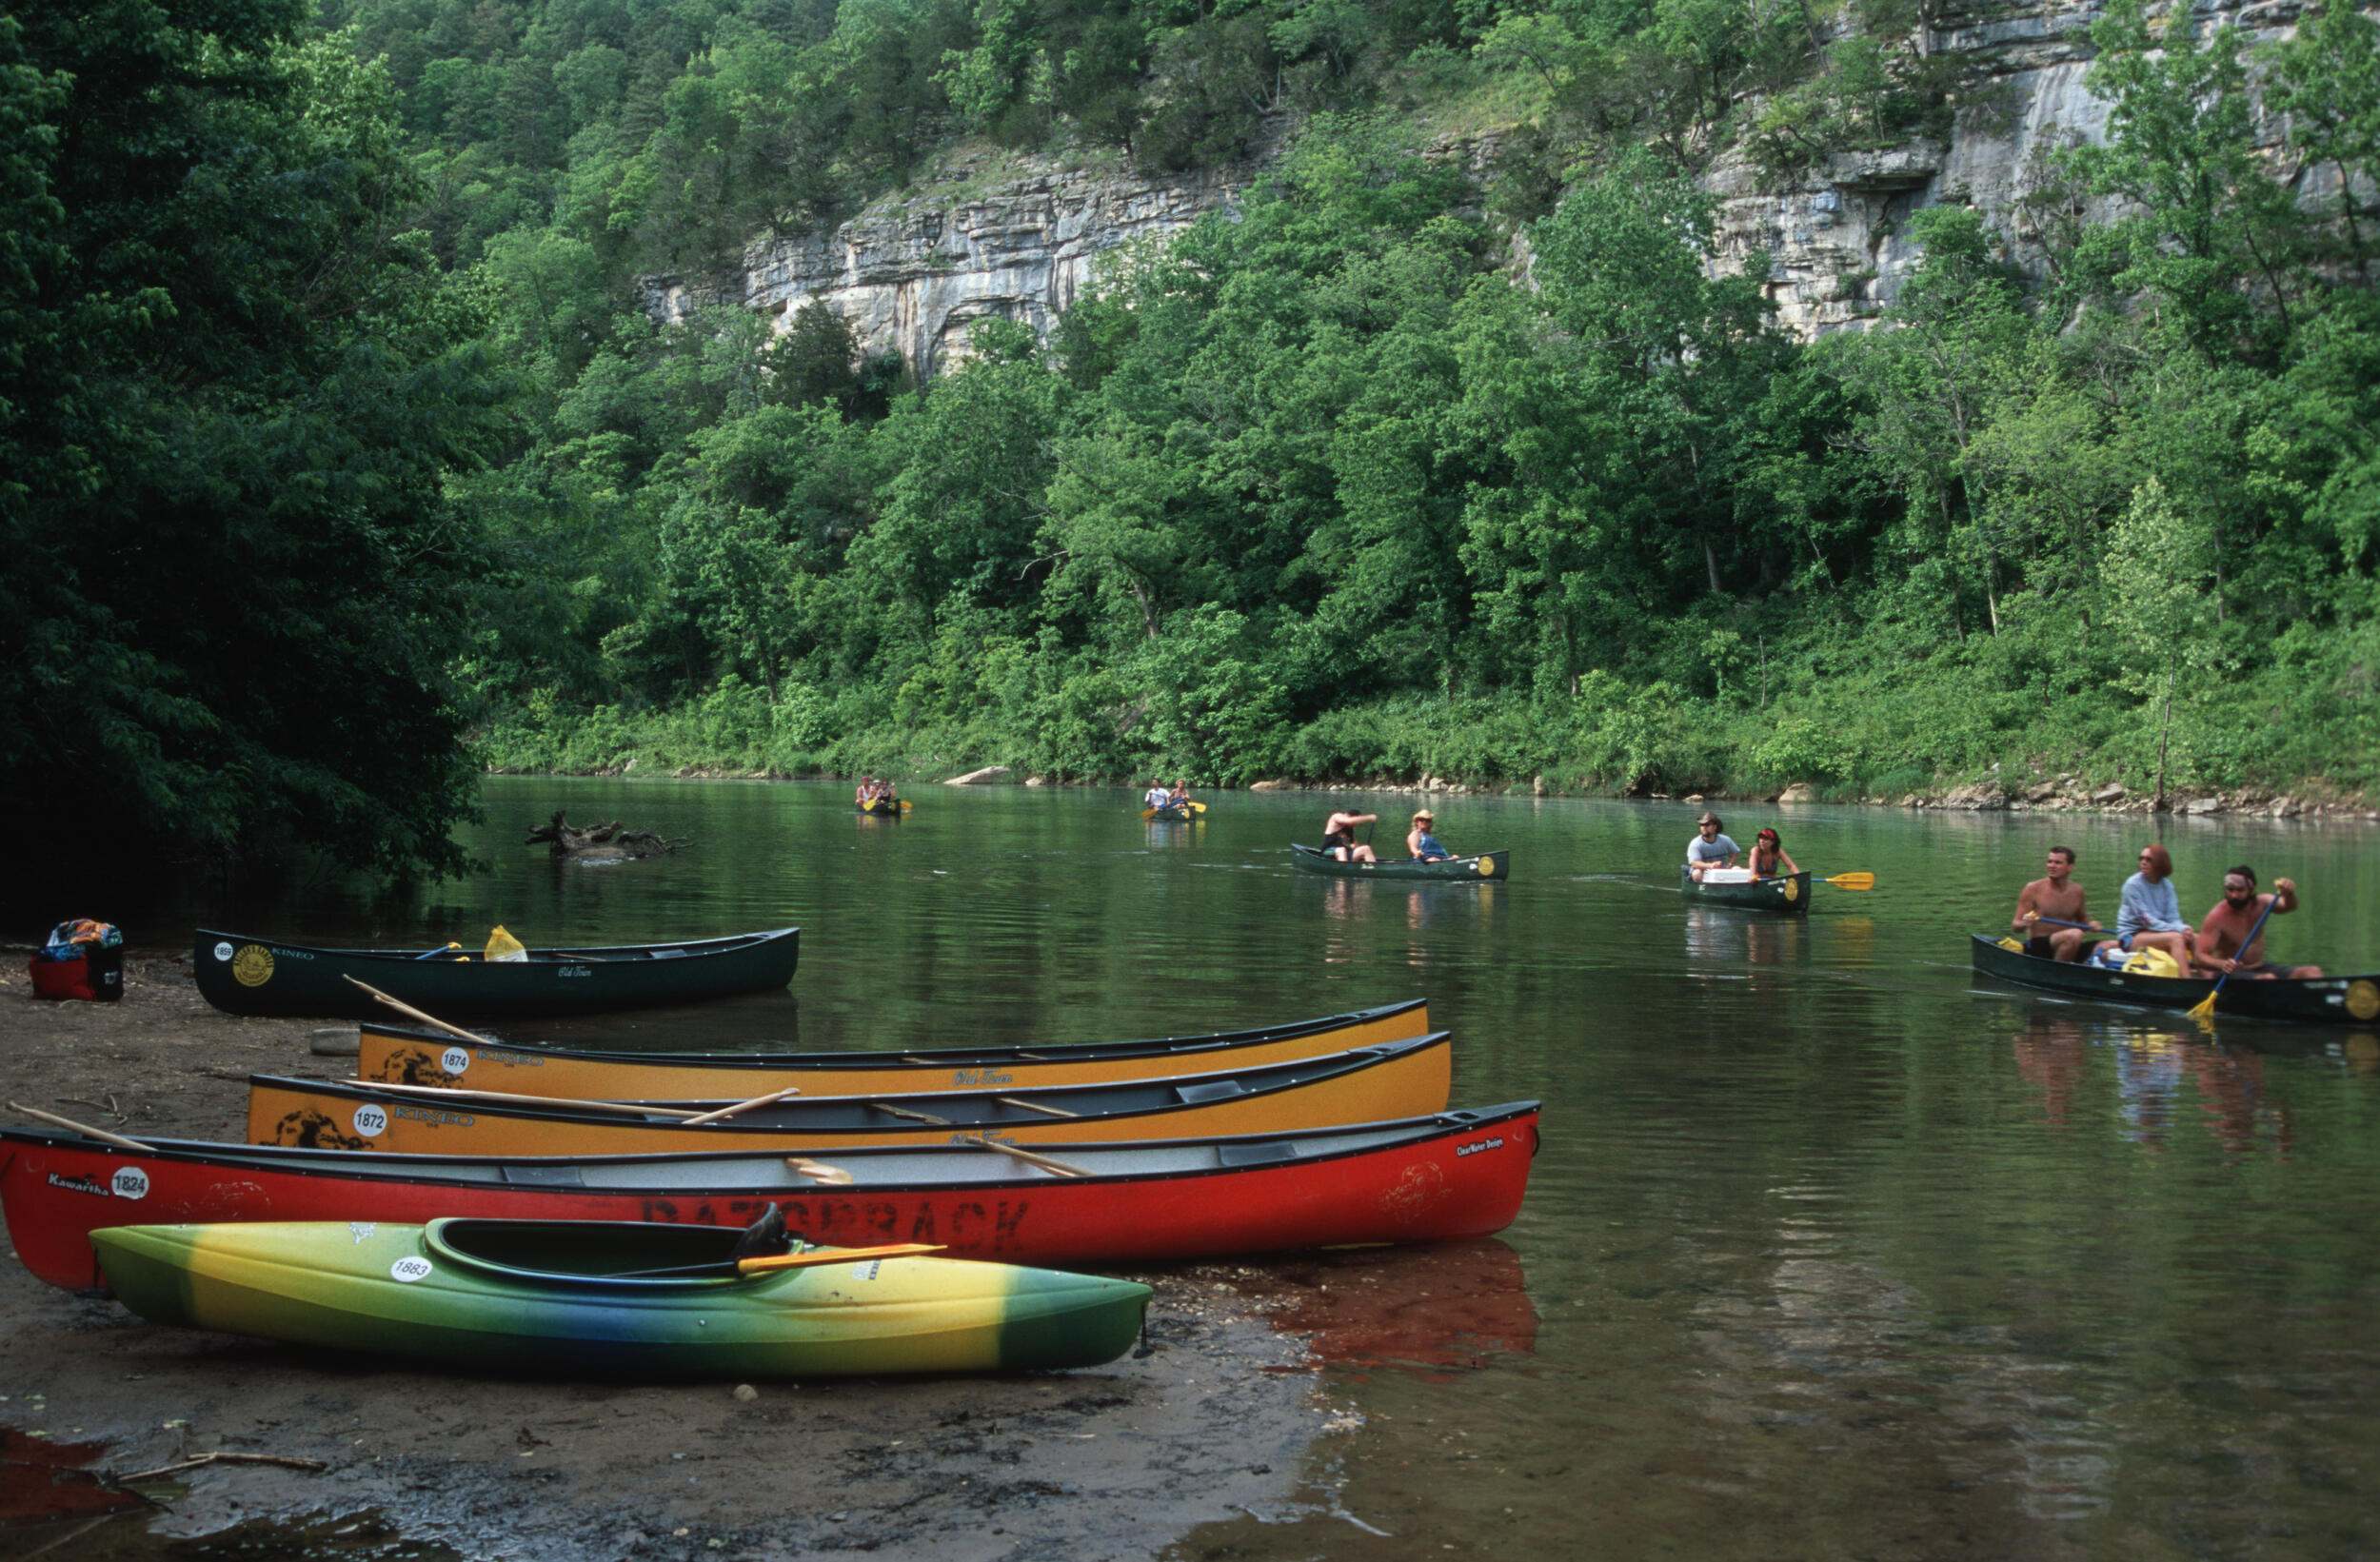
<point>1831,1249</point>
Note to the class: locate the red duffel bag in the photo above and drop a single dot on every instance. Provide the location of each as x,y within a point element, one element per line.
<point>82,959</point>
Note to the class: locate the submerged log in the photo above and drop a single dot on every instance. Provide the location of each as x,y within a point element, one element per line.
<point>605,842</point>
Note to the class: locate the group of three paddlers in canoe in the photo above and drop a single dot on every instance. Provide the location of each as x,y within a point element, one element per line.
<point>2053,917</point>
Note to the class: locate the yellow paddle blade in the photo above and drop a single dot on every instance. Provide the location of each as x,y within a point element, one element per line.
<point>1851,880</point>
<point>1147,814</point>
<point>2204,1008</point>
<point>833,1255</point>
<point>1198,807</point>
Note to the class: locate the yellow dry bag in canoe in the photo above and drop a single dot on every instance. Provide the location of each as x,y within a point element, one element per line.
<point>503,946</point>
<point>2152,963</point>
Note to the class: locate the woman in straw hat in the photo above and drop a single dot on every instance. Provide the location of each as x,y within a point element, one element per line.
<point>1419,844</point>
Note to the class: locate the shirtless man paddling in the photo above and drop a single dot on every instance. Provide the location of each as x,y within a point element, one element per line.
<point>2226,927</point>
<point>2056,895</point>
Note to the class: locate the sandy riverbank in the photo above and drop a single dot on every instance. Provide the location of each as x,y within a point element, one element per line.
<point>1212,1419</point>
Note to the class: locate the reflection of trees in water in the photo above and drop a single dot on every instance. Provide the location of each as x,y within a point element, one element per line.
<point>1856,1357</point>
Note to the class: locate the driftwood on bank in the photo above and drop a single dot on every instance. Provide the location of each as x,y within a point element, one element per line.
<point>601,842</point>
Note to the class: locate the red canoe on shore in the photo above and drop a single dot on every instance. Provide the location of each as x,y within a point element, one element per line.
<point>1417,1179</point>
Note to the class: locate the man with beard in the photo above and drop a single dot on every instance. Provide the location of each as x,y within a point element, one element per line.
<point>2223,937</point>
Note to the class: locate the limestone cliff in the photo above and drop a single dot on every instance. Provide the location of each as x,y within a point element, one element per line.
<point>913,273</point>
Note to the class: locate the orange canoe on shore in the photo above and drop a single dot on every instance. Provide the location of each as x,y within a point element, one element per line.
<point>1371,1084</point>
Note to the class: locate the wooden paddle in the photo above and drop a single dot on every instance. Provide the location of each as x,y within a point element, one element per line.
<point>412,1013</point>
<point>83,1128</point>
<point>452,1092</point>
<point>2203,1010</point>
<point>1851,880</point>
<point>726,1112</point>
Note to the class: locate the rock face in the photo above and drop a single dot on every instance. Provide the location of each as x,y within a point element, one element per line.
<point>912,274</point>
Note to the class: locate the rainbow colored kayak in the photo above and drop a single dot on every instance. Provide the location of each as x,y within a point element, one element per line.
<point>614,1297</point>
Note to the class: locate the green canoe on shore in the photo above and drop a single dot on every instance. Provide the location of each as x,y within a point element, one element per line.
<point>1788,893</point>
<point>1487,865</point>
<point>579,1297</point>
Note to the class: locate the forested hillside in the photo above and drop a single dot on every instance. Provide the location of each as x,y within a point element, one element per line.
<point>1327,488</point>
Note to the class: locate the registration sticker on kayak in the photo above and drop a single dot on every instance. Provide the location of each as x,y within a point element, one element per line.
<point>407,1271</point>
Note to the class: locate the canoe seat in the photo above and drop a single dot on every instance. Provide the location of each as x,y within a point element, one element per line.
<point>1218,1090</point>
<point>1254,1154</point>
<point>545,1176</point>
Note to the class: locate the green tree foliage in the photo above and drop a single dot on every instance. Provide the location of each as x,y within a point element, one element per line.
<point>230,383</point>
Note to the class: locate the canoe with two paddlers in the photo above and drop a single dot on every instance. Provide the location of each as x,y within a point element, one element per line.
<point>883,808</point>
<point>1788,893</point>
<point>243,974</point>
<point>615,1296</point>
<point>399,1055</point>
<point>1180,813</point>
<point>2322,1001</point>
<point>1432,1177</point>
<point>1486,866</point>
<point>1393,1080</point>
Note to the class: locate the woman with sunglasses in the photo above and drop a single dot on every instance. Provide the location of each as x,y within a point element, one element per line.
<point>2150,914</point>
<point>1710,848</point>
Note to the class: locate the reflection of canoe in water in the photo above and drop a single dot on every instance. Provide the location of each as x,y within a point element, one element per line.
<point>1788,892</point>
<point>399,1056</point>
<point>571,1296</point>
<point>2325,1000</point>
<point>1448,1305</point>
<point>243,975</point>
<point>1393,1080</point>
<point>883,808</point>
<point>1421,1179</point>
<point>1487,865</point>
